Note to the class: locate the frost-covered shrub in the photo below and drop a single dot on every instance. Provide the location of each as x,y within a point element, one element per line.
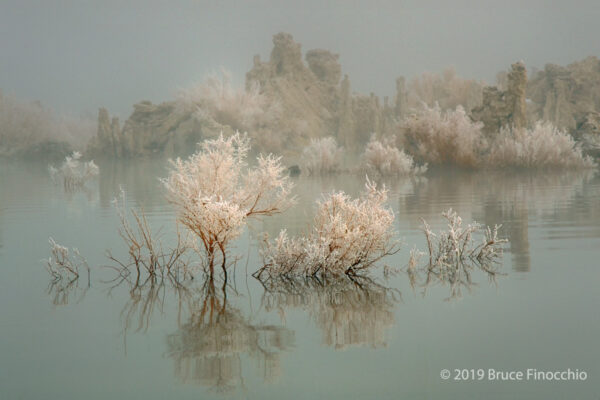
<point>544,146</point>
<point>348,236</point>
<point>453,246</point>
<point>322,156</point>
<point>214,193</point>
<point>63,264</point>
<point>73,172</point>
<point>454,253</point>
<point>217,99</point>
<point>443,137</point>
<point>384,159</point>
<point>446,89</point>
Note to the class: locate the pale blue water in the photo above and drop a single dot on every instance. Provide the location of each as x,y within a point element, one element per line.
<point>325,343</point>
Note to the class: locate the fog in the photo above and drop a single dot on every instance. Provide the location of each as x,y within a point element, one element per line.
<point>76,56</point>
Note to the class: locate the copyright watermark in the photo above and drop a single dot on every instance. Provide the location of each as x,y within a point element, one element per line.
<point>529,374</point>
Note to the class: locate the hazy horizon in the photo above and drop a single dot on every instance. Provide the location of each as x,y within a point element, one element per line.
<point>78,56</point>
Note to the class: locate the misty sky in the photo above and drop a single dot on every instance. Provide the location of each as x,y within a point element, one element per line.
<point>79,55</point>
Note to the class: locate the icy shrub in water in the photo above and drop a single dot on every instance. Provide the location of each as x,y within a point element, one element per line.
<point>214,192</point>
<point>62,265</point>
<point>544,146</point>
<point>73,172</point>
<point>454,253</point>
<point>438,137</point>
<point>322,156</point>
<point>349,236</point>
<point>384,159</point>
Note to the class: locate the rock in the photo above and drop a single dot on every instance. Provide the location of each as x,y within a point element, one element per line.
<point>401,107</point>
<point>324,65</point>
<point>588,133</point>
<point>565,95</point>
<point>299,102</point>
<point>515,95</point>
<point>504,107</point>
<point>286,56</point>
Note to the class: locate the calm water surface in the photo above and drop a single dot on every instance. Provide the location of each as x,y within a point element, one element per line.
<point>307,341</point>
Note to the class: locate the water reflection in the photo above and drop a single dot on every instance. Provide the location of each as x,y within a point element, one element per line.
<point>140,178</point>
<point>513,200</point>
<point>63,292</point>
<point>213,336</point>
<point>349,312</point>
<point>208,348</point>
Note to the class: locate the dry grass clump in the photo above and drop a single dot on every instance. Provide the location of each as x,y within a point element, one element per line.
<point>544,146</point>
<point>146,251</point>
<point>443,137</point>
<point>348,237</point>
<point>73,172</point>
<point>214,192</point>
<point>385,159</point>
<point>454,254</point>
<point>322,156</point>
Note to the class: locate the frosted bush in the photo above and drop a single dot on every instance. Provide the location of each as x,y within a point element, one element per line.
<point>384,159</point>
<point>446,89</point>
<point>214,192</point>
<point>444,137</point>
<point>348,236</point>
<point>322,156</point>
<point>216,98</point>
<point>64,264</point>
<point>544,146</point>
<point>73,172</point>
<point>455,252</point>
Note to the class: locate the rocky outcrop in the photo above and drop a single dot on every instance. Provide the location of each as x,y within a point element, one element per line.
<point>301,100</point>
<point>588,133</point>
<point>401,108</point>
<point>324,65</point>
<point>566,96</point>
<point>151,129</point>
<point>108,139</point>
<point>504,107</point>
<point>314,101</point>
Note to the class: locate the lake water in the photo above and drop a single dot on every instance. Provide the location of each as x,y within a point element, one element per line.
<point>301,341</point>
